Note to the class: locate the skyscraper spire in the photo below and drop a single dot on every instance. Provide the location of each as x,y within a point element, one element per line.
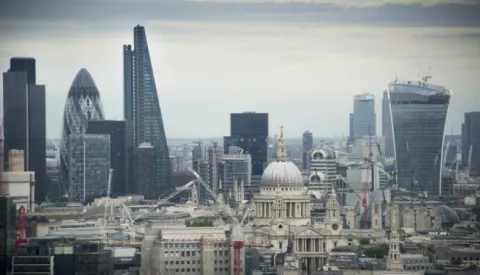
<point>281,148</point>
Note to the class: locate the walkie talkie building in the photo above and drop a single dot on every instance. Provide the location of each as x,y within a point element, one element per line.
<point>418,112</point>
<point>83,104</point>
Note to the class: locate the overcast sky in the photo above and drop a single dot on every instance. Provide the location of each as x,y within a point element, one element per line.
<point>299,60</point>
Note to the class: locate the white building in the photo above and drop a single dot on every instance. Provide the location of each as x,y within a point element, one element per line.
<point>21,185</point>
<point>282,216</point>
<point>323,171</point>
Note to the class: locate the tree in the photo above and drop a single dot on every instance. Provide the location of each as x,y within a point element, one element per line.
<point>204,223</point>
<point>378,251</point>
<point>364,241</point>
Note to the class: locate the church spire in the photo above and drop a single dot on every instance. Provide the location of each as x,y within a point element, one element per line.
<point>281,148</point>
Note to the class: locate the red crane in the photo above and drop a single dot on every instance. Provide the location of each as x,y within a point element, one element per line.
<point>237,246</point>
<point>20,234</point>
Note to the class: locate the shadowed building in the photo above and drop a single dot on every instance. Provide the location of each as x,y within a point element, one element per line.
<point>145,171</point>
<point>25,119</point>
<point>142,109</point>
<point>418,112</point>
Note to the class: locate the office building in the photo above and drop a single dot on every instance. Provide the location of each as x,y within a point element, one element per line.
<point>249,131</point>
<point>419,110</point>
<point>25,119</point>
<point>7,231</point>
<point>118,151</point>
<point>387,131</point>
<point>82,105</point>
<point>142,108</point>
<point>236,168</point>
<point>307,146</point>
<point>363,118</point>
<point>471,143</point>
<point>89,166</point>
<point>145,172</point>
<point>62,255</point>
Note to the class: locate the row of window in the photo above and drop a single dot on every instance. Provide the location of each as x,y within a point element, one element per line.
<point>194,262</point>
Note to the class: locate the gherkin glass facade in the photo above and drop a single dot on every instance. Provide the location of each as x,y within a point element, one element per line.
<point>418,113</point>
<point>82,104</point>
<point>142,108</point>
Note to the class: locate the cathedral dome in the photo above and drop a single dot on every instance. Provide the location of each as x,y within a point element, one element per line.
<point>282,172</point>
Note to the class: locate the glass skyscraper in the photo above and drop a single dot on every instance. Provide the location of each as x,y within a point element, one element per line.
<point>363,116</point>
<point>83,104</point>
<point>89,166</point>
<point>142,109</point>
<point>418,112</point>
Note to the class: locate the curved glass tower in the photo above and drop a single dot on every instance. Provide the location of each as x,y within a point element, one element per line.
<point>83,104</point>
<point>418,112</point>
<point>142,108</point>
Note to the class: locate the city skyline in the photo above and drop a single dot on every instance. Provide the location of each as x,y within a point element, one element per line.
<point>305,64</point>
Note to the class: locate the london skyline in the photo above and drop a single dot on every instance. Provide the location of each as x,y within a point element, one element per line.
<point>271,60</point>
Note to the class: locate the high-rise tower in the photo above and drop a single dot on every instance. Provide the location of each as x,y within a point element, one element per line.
<point>25,120</point>
<point>82,104</point>
<point>142,109</point>
<point>387,131</point>
<point>363,116</point>
<point>418,112</point>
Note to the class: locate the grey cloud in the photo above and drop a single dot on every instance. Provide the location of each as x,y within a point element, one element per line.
<point>469,35</point>
<point>108,13</point>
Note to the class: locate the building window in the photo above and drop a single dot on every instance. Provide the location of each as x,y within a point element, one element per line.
<point>280,245</point>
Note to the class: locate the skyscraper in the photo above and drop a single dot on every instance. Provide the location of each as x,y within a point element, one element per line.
<point>89,166</point>
<point>363,116</point>
<point>82,104</point>
<point>249,131</point>
<point>418,112</point>
<point>118,152</point>
<point>387,131</point>
<point>25,119</point>
<point>471,143</point>
<point>142,109</point>
<point>307,146</point>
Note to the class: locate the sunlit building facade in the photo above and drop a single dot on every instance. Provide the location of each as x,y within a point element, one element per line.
<point>418,112</point>
<point>83,104</point>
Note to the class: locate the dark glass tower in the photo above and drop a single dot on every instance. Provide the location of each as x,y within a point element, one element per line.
<point>82,105</point>
<point>418,114</point>
<point>387,131</point>
<point>142,109</point>
<point>471,143</point>
<point>25,119</point>
<point>118,151</point>
<point>307,146</point>
<point>249,131</point>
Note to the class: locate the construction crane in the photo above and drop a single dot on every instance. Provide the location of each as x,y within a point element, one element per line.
<point>357,211</point>
<point>20,234</point>
<point>209,190</point>
<point>369,173</point>
<point>166,199</point>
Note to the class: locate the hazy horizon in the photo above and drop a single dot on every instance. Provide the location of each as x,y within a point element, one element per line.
<point>301,61</point>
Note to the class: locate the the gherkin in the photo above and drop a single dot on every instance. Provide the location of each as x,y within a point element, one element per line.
<point>82,104</point>
<point>142,108</point>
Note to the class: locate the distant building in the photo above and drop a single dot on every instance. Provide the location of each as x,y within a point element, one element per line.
<point>63,255</point>
<point>249,131</point>
<point>118,151</point>
<point>20,186</point>
<point>7,232</point>
<point>307,146</point>
<point>387,130</point>
<point>419,111</point>
<point>25,119</point>
<point>142,108</point>
<point>471,143</point>
<point>144,171</point>
<point>82,105</point>
<point>363,117</point>
<point>89,164</point>
<point>237,168</point>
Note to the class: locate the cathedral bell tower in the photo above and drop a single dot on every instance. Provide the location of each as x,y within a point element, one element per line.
<point>332,207</point>
<point>394,262</point>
